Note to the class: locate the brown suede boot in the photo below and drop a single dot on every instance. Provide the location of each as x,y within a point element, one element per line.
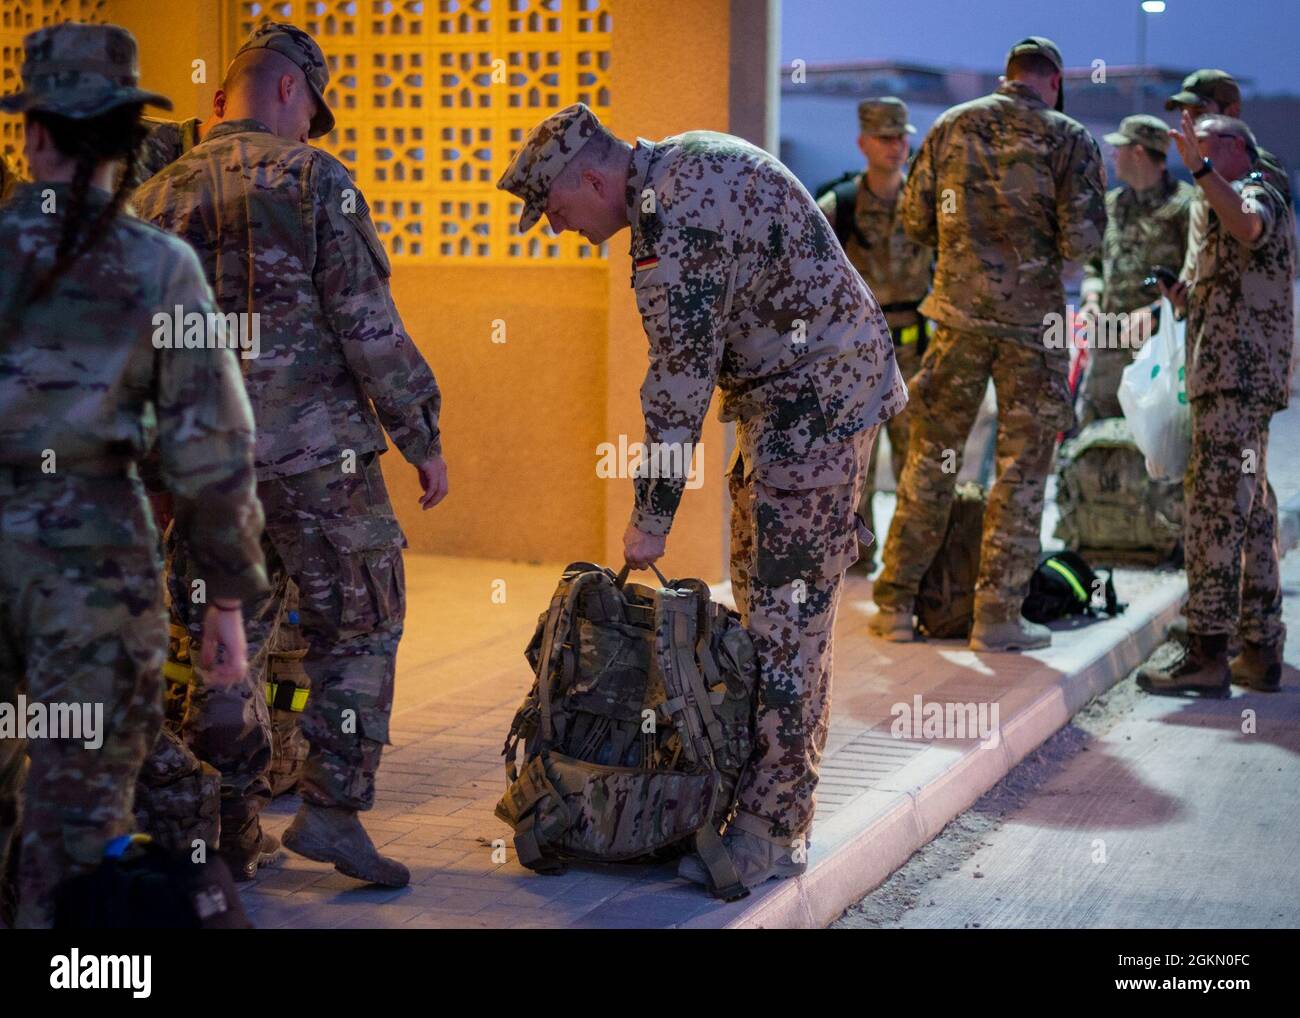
<point>334,834</point>
<point>1200,667</point>
<point>248,848</point>
<point>1257,667</point>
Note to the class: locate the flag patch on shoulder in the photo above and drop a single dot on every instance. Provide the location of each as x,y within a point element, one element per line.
<point>649,262</point>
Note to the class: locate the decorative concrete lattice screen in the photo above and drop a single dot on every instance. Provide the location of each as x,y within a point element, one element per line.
<point>431,101</point>
<point>17,18</point>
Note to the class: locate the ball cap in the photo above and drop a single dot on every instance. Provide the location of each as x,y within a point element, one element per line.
<point>885,117</point>
<point>543,156</point>
<point>1042,46</point>
<point>1204,86</point>
<point>292,42</point>
<point>1142,129</point>
<point>80,71</point>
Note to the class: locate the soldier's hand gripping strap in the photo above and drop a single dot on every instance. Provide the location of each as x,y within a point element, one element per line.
<point>724,881</point>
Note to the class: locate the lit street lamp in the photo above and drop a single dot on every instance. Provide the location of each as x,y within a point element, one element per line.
<point>1145,8</point>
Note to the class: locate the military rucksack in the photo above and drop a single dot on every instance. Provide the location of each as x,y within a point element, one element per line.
<point>637,726</point>
<point>945,599</point>
<point>1110,508</point>
<point>845,224</point>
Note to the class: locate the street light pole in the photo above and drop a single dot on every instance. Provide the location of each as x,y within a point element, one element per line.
<point>1144,8</point>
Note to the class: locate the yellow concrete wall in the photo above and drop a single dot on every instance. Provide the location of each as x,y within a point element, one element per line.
<point>522,419</point>
<point>670,70</point>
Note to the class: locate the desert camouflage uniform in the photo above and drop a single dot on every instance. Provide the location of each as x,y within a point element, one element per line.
<point>741,284</point>
<point>1273,172</point>
<point>1004,189</point>
<point>1144,229</point>
<point>1240,330</point>
<point>80,599</point>
<point>897,269</point>
<point>332,344</point>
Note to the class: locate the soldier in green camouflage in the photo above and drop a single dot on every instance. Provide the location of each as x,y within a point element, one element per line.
<point>895,267</point>
<point>83,392</point>
<point>1146,228</point>
<point>741,285</point>
<point>297,258</point>
<point>1005,188</point>
<point>1240,333</point>
<point>1204,92</point>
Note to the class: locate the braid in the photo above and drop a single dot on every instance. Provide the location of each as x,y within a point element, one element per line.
<point>118,134</point>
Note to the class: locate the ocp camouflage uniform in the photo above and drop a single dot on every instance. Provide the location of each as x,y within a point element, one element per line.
<point>741,284</point>
<point>166,142</point>
<point>897,269</point>
<point>80,601</point>
<point>1005,189</point>
<point>335,363</point>
<point>1240,331</point>
<point>1144,229</point>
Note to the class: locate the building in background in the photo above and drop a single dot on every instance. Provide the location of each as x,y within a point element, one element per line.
<point>819,114</point>
<point>535,340</point>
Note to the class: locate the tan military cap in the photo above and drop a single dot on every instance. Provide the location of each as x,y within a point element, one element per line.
<point>295,44</point>
<point>80,71</point>
<point>1203,86</point>
<point>886,117</point>
<point>1043,47</point>
<point>543,156</point>
<point>1142,129</point>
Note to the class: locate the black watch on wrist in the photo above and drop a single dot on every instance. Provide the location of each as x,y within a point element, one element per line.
<point>1206,167</point>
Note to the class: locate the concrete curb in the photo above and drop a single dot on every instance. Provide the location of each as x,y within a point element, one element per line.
<point>871,837</point>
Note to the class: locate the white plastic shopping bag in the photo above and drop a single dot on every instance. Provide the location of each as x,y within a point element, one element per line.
<point>1153,395</point>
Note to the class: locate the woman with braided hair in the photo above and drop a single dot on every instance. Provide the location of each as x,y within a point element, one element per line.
<point>84,392</point>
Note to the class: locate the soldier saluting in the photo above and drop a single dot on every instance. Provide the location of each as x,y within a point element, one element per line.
<point>740,284</point>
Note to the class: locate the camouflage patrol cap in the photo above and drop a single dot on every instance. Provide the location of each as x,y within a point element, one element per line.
<point>1142,129</point>
<point>1204,86</point>
<point>543,156</point>
<point>292,42</point>
<point>884,117</point>
<point>80,71</point>
<point>1044,47</point>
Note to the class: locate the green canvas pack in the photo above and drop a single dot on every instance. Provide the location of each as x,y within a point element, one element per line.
<point>945,599</point>
<point>1110,509</point>
<point>630,744</point>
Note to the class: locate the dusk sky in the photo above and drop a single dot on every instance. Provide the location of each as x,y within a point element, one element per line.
<point>1257,39</point>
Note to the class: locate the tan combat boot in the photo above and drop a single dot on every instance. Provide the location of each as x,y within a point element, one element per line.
<point>334,834</point>
<point>1017,634</point>
<point>1199,667</point>
<point>1258,667</point>
<point>894,625</point>
<point>249,849</point>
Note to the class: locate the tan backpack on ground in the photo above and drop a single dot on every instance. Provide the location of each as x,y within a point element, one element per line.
<point>636,729</point>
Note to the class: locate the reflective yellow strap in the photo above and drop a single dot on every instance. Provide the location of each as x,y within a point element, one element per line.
<point>909,334</point>
<point>175,671</point>
<point>1079,592</point>
<point>297,703</point>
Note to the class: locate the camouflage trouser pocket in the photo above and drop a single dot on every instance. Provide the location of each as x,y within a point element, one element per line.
<point>368,582</point>
<point>805,521</point>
